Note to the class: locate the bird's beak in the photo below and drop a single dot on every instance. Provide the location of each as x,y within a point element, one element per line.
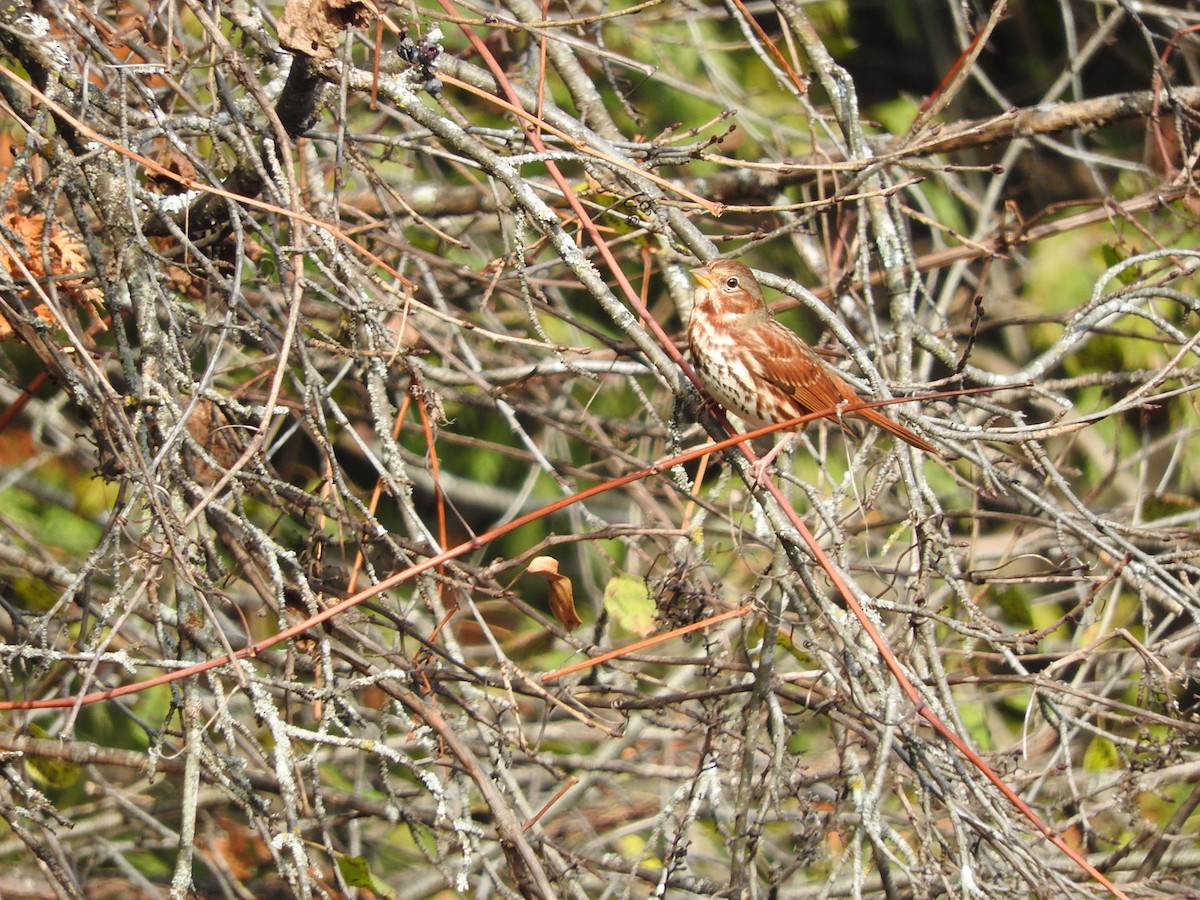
<point>702,277</point>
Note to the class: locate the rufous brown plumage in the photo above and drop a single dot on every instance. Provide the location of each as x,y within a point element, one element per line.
<point>758,368</point>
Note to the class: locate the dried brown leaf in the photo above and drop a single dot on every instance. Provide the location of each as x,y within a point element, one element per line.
<point>312,27</point>
<point>562,592</point>
<point>27,264</point>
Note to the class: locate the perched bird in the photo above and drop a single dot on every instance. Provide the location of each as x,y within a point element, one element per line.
<point>758,368</point>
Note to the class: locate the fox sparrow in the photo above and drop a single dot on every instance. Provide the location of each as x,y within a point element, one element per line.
<point>758,368</point>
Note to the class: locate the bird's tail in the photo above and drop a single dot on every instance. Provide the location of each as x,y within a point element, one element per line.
<point>875,417</point>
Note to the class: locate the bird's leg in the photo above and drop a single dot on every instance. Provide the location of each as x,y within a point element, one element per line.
<point>760,468</point>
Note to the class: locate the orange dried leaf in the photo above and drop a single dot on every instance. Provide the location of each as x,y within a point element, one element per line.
<point>562,593</point>
<point>65,254</point>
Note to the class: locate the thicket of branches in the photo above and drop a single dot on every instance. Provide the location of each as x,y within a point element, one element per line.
<point>317,320</point>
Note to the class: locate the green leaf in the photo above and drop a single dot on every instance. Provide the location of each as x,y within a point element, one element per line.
<point>357,873</point>
<point>629,603</point>
<point>1112,256</point>
<point>46,771</point>
<point>974,717</point>
<point>1101,755</point>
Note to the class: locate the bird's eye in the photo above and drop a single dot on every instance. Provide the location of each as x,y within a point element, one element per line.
<point>732,282</point>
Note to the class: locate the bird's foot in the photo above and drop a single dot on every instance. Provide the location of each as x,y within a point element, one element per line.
<point>761,467</point>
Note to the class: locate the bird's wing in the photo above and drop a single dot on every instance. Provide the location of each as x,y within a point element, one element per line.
<point>792,366</point>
